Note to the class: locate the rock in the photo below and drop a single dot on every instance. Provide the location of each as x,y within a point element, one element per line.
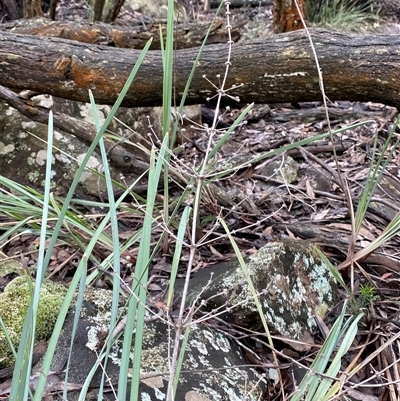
<point>155,8</point>
<point>23,152</point>
<point>23,144</point>
<point>293,282</point>
<point>282,170</point>
<point>317,179</point>
<point>207,349</point>
<point>293,285</point>
<point>14,303</point>
<point>10,266</point>
<point>389,190</point>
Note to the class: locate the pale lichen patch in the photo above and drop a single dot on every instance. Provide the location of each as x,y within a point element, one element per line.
<point>206,349</point>
<point>292,284</point>
<point>4,149</point>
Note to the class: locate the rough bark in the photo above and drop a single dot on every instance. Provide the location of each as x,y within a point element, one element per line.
<point>113,11</point>
<point>10,10</point>
<point>32,8</point>
<point>98,7</point>
<point>133,36</point>
<point>52,9</point>
<point>242,3</point>
<point>287,17</point>
<point>280,69</point>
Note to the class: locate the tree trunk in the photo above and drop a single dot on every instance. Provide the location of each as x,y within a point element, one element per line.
<point>98,7</point>
<point>288,15</point>
<point>52,9</point>
<point>32,8</point>
<point>10,10</point>
<point>113,11</point>
<point>274,70</point>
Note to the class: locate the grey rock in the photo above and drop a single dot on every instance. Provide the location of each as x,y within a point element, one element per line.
<point>212,368</point>
<point>282,169</point>
<point>292,282</point>
<point>23,144</point>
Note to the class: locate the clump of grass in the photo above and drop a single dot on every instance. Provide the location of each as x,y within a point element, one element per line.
<point>367,295</point>
<point>341,14</point>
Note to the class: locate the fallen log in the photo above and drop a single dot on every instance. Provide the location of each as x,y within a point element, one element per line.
<point>242,3</point>
<point>132,35</point>
<point>274,70</point>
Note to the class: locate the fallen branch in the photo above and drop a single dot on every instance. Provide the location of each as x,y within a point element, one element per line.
<point>274,70</point>
<point>125,160</point>
<point>127,35</point>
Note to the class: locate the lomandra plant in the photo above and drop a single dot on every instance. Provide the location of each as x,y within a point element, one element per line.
<point>22,387</point>
<point>21,384</point>
<point>347,15</point>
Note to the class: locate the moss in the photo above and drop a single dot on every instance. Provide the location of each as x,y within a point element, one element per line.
<point>14,303</point>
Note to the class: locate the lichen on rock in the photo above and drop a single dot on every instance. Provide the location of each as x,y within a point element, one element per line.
<point>213,366</point>
<point>292,282</point>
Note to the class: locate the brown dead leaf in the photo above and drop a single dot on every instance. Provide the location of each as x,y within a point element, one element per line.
<point>305,343</point>
<point>267,231</point>
<point>291,235</point>
<point>322,214</point>
<point>310,191</point>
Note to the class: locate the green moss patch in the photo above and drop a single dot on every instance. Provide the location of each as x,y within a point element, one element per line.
<point>14,303</point>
